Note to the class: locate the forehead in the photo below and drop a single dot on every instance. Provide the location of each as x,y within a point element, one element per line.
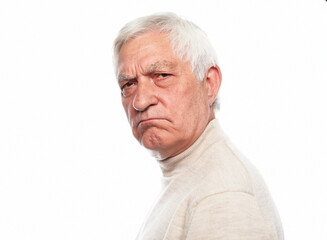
<point>145,50</point>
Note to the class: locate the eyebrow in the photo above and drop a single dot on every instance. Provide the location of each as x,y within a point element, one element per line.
<point>122,77</point>
<point>159,65</point>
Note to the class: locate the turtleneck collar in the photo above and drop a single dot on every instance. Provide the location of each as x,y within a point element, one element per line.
<point>174,165</point>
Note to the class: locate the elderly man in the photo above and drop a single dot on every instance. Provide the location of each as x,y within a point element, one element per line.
<point>169,80</point>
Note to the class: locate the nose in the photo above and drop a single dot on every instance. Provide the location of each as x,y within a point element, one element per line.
<point>145,95</point>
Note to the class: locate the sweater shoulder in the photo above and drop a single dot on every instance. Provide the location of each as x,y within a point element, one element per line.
<point>221,169</point>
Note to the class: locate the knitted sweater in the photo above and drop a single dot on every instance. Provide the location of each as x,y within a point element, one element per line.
<point>210,191</point>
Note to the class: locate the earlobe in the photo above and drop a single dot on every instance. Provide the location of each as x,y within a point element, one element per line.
<point>213,82</point>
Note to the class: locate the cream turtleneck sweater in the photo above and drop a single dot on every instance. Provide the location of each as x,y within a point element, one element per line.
<point>210,191</point>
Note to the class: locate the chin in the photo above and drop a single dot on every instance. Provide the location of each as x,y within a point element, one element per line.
<point>152,142</point>
<point>149,137</point>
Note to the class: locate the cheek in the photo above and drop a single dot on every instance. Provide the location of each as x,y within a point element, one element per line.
<point>192,104</point>
<point>187,99</point>
<point>131,114</point>
<point>128,107</point>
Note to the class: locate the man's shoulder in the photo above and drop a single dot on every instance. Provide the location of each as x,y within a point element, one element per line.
<point>223,169</point>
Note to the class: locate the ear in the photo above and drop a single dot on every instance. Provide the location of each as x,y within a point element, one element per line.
<point>213,81</point>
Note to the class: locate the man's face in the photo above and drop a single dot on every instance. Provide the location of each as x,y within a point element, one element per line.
<point>167,107</point>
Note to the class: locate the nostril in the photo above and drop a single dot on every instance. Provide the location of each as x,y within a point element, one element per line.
<point>143,102</point>
<point>139,102</point>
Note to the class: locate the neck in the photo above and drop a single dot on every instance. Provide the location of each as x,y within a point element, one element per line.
<point>183,160</point>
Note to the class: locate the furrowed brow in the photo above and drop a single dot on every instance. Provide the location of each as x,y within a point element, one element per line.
<point>160,65</point>
<point>157,66</point>
<point>123,77</point>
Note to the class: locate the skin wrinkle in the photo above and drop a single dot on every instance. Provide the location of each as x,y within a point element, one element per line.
<point>159,66</point>
<point>122,77</point>
<point>167,112</point>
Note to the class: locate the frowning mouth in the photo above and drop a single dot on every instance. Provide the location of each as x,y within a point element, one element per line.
<point>148,121</point>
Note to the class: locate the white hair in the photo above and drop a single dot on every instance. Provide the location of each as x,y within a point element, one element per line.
<point>188,41</point>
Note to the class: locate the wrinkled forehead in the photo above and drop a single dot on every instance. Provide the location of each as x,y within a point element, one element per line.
<point>151,50</point>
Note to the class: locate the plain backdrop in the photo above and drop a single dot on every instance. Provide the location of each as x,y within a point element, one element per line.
<point>69,166</point>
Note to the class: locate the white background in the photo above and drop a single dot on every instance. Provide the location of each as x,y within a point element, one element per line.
<point>69,166</point>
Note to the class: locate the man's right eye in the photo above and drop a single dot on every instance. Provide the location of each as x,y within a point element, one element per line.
<point>128,88</point>
<point>126,85</point>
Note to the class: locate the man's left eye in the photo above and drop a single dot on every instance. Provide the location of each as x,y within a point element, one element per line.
<point>163,75</point>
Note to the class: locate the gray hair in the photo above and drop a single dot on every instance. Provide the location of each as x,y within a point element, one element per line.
<point>188,41</point>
